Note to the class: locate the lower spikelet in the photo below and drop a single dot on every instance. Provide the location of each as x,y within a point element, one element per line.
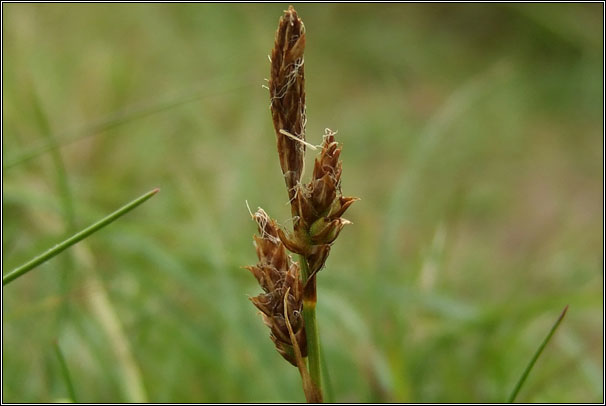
<point>279,278</point>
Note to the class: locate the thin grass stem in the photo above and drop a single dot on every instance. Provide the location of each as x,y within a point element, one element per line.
<point>117,119</point>
<point>40,259</point>
<point>533,360</point>
<point>329,394</point>
<point>311,332</point>
<point>311,393</point>
<point>66,375</point>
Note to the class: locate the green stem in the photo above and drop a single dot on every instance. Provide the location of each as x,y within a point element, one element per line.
<point>327,388</point>
<point>311,327</point>
<point>515,391</point>
<point>66,374</point>
<point>28,266</point>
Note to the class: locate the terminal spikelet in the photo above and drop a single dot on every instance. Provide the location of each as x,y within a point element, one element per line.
<point>287,96</point>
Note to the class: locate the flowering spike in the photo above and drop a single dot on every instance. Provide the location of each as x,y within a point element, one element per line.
<point>277,274</point>
<point>287,95</point>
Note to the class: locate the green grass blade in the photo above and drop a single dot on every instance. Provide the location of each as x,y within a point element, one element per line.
<point>61,175</point>
<point>63,187</point>
<point>112,121</point>
<point>522,379</point>
<point>329,393</point>
<point>28,266</point>
<point>66,374</point>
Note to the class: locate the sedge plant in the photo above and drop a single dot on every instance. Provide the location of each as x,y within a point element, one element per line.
<point>288,302</point>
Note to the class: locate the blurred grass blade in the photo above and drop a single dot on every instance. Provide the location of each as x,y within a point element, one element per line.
<point>66,374</point>
<point>329,393</point>
<point>28,266</point>
<point>518,386</point>
<point>115,120</point>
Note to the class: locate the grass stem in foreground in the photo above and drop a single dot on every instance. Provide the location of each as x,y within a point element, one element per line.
<point>522,379</point>
<point>311,329</point>
<point>28,266</point>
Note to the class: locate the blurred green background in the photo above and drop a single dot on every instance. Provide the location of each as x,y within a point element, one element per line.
<point>472,134</point>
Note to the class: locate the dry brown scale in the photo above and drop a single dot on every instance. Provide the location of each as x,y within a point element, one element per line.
<point>287,96</point>
<point>277,274</point>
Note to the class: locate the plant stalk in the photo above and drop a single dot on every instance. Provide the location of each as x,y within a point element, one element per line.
<point>311,392</point>
<point>40,259</point>
<point>66,375</point>
<point>311,326</point>
<point>536,355</point>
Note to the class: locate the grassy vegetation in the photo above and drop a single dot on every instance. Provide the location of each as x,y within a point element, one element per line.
<point>472,134</point>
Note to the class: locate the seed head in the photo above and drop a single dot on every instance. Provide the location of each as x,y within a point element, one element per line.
<point>278,276</point>
<point>318,206</point>
<point>287,95</point>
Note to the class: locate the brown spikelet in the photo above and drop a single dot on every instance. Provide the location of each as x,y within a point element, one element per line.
<point>279,277</point>
<point>287,95</point>
<point>318,207</point>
